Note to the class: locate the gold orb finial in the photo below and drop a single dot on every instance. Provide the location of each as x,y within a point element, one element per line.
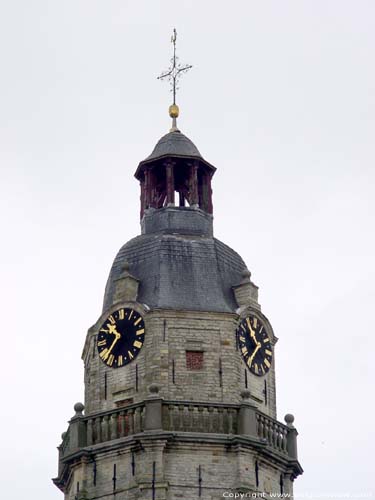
<point>174,111</point>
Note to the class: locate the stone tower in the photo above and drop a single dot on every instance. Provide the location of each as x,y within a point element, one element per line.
<point>180,395</point>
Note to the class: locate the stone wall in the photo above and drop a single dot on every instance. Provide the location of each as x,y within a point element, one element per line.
<point>183,470</point>
<point>162,360</point>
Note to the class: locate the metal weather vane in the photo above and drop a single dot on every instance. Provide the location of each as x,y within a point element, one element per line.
<point>173,75</point>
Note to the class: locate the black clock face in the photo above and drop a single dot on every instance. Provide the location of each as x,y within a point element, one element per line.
<point>255,345</point>
<point>121,337</point>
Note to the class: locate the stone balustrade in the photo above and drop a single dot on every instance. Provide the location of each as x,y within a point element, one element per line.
<point>275,433</point>
<point>100,428</point>
<point>178,416</point>
<point>65,442</point>
<point>190,416</point>
<point>115,424</point>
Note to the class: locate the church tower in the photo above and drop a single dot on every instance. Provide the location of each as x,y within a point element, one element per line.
<point>179,368</point>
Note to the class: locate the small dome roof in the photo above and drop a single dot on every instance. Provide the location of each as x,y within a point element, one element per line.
<point>174,144</point>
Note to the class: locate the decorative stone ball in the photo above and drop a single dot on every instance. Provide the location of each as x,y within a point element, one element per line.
<point>245,394</point>
<point>78,408</point>
<point>153,388</point>
<point>246,274</point>
<point>289,419</point>
<point>63,435</point>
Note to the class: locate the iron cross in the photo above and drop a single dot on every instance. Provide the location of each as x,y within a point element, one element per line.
<point>175,70</point>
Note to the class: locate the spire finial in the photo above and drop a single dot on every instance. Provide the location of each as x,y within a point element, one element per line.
<point>172,75</point>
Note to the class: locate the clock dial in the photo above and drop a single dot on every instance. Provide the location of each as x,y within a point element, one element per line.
<point>255,345</point>
<point>121,337</point>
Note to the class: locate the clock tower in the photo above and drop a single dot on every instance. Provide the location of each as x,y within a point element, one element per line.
<point>179,368</point>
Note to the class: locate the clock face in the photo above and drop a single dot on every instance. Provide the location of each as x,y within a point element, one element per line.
<point>255,345</point>
<point>121,337</point>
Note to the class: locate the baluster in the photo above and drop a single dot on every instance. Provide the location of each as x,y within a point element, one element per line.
<point>130,415</point>
<point>278,431</point>
<point>164,417</point>
<point>170,417</point>
<point>279,437</point>
<point>99,426</point>
<point>214,420</point>
<point>121,424</point>
<point>230,421</point>
<point>113,420</point>
<point>107,429</point>
<point>261,427</point>
<point>142,411</point>
<point>276,437</point>
<point>236,424</point>
<point>204,419</point>
<point>236,416</point>
<point>257,416</point>
<point>269,431</point>
<point>210,419</point>
<point>265,428</point>
<point>220,420</point>
<point>285,432</point>
<point>226,420</point>
<point>137,420</point>
<point>200,419</point>
<point>90,432</point>
<point>175,417</point>
<point>97,431</point>
<point>186,418</point>
<point>190,426</point>
<point>181,412</point>
<point>274,434</point>
<point>196,416</point>
<point>104,429</point>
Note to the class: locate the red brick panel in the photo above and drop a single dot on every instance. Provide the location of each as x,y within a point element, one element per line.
<point>194,360</point>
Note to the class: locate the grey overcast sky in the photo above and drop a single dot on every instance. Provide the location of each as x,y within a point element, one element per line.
<point>281,99</point>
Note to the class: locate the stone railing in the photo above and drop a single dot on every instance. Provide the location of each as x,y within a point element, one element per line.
<point>115,424</point>
<point>156,414</point>
<point>190,416</point>
<point>272,431</point>
<point>65,442</point>
<point>102,427</point>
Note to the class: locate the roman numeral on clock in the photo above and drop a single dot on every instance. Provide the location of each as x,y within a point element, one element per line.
<point>121,337</point>
<point>254,345</point>
<point>104,354</point>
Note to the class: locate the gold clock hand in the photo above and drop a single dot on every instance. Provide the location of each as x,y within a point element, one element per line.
<point>112,329</point>
<point>252,332</point>
<point>118,336</point>
<point>259,345</point>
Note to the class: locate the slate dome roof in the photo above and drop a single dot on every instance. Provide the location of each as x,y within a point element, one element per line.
<point>176,271</point>
<point>176,145</point>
